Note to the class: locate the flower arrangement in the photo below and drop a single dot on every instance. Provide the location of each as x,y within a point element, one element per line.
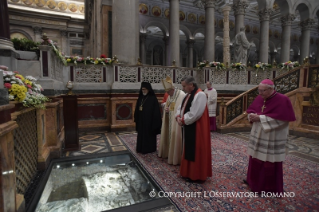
<point>217,65</point>
<point>89,60</point>
<point>24,89</point>
<point>55,49</point>
<point>239,66</point>
<point>262,66</point>
<point>288,65</point>
<point>200,65</point>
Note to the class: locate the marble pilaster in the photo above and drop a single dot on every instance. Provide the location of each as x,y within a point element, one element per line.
<point>239,11</point>
<point>286,22</point>
<point>64,42</point>
<point>306,25</point>
<point>209,51</point>
<point>174,44</point>
<point>264,17</point>
<point>125,31</point>
<point>142,48</point>
<point>226,42</point>
<point>37,33</point>
<point>190,46</point>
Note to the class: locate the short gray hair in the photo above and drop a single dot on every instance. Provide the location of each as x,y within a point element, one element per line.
<point>190,80</point>
<point>209,82</point>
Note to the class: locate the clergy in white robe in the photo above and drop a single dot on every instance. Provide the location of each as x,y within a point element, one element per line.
<point>270,114</point>
<point>171,136</point>
<point>192,114</point>
<point>211,94</point>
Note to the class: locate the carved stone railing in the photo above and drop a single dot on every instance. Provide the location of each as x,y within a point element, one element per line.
<point>233,113</point>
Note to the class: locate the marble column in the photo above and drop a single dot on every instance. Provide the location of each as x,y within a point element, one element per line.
<point>209,51</point>
<point>306,25</point>
<point>190,46</point>
<point>174,44</point>
<point>143,48</point>
<point>64,43</point>
<point>5,42</point>
<point>264,17</point>
<point>286,22</point>
<point>239,11</point>
<point>226,41</point>
<point>125,31</point>
<point>37,34</point>
<point>165,58</point>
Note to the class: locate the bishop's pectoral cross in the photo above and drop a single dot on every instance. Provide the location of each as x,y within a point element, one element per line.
<point>263,107</point>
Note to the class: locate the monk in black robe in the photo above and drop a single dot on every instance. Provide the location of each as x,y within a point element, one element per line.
<point>147,117</point>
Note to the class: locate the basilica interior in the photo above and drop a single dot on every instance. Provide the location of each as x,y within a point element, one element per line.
<point>89,58</point>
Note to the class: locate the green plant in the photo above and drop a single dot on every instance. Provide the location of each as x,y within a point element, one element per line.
<point>25,44</point>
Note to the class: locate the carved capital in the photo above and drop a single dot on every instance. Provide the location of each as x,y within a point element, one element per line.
<point>209,3</point>
<point>264,15</point>
<point>37,30</point>
<point>287,19</point>
<point>307,24</point>
<point>190,43</point>
<point>239,7</point>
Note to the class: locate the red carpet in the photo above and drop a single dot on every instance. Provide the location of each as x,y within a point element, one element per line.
<point>229,164</point>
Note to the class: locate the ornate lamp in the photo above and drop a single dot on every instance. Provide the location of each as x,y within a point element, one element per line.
<point>70,85</point>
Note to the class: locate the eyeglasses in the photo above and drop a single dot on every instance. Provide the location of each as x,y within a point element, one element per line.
<point>262,91</point>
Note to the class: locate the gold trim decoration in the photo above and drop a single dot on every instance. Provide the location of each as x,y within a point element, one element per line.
<point>202,19</point>
<point>156,11</point>
<point>51,4</point>
<point>27,2</point>
<point>73,8</point>
<point>191,18</point>
<point>143,9</point>
<point>62,6</point>
<point>181,16</point>
<point>166,13</point>
<point>39,3</point>
<point>81,8</point>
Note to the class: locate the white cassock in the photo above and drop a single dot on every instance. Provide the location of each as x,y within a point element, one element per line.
<point>211,101</point>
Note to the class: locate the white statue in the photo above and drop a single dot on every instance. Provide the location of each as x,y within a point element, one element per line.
<point>241,46</point>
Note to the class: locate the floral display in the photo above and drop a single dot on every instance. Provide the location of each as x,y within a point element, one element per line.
<point>56,50</point>
<point>288,65</point>
<point>262,66</point>
<point>238,66</point>
<point>89,60</point>
<point>24,89</point>
<point>217,65</point>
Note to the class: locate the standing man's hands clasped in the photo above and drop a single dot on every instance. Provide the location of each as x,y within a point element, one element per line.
<point>179,121</point>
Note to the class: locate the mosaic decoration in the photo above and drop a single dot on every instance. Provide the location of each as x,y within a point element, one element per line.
<point>62,6</point>
<point>166,13</point>
<point>156,11</point>
<point>88,74</point>
<point>81,8</point>
<point>181,16</point>
<point>39,3</point>
<point>288,82</point>
<point>191,18</point>
<point>221,24</point>
<point>51,4</point>
<point>127,74</point>
<point>202,19</point>
<point>143,9</point>
<point>234,109</point>
<point>231,24</point>
<point>73,8</point>
<point>313,79</point>
<point>247,30</point>
<point>276,34</point>
<point>27,2</point>
<point>25,150</point>
<point>255,30</point>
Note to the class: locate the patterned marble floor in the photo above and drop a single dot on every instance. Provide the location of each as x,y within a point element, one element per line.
<point>306,148</point>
